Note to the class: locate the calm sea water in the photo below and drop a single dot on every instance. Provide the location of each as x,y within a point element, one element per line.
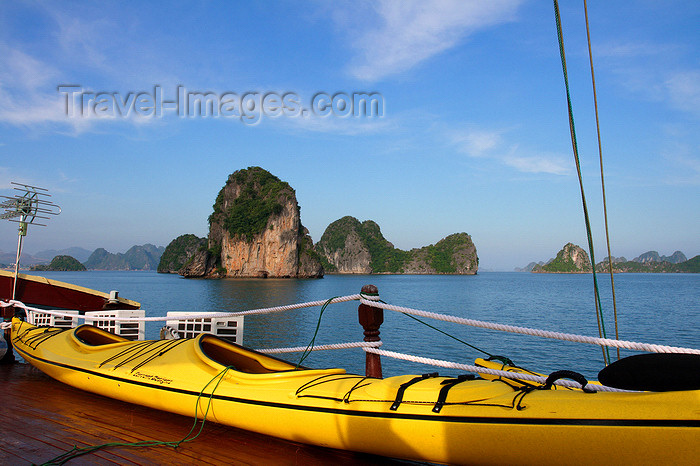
<point>652,308</point>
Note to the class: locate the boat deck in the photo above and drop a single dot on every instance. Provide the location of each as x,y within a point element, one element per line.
<point>44,418</point>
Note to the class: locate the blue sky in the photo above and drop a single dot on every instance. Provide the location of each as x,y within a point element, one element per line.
<point>473,136</point>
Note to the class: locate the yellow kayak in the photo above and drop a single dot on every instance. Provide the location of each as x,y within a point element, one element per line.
<point>463,420</point>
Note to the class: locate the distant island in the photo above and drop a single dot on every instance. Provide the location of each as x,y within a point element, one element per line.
<point>573,259</point>
<point>348,246</point>
<point>255,230</point>
<point>179,252</point>
<point>61,264</point>
<point>145,257</point>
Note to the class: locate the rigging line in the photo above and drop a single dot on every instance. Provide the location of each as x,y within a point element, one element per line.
<point>572,130</point>
<point>503,359</point>
<point>602,176</point>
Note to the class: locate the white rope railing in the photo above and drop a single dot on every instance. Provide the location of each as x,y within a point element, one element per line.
<point>375,302</point>
<point>333,346</point>
<point>484,370</point>
<point>373,347</point>
<point>199,315</point>
<point>630,345</point>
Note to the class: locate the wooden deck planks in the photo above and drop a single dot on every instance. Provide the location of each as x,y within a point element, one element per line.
<point>44,418</point>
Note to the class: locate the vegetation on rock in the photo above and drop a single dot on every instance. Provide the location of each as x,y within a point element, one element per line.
<point>261,195</point>
<point>179,252</point>
<point>255,230</point>
<point>571,259</point>
<point>691,265</point>
<point>62,264</point>
<point>652,256</point>
<point>444,256</point>
<point>688,266</point>
<point>383,257</point>
<point>349,244</point>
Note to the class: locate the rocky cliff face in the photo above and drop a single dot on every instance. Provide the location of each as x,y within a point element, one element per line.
<point>343,247</point>
<point>571,259</point>
<point>256,231</point>
<point>348,246</point>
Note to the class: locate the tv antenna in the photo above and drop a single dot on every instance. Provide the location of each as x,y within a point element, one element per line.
<point>25,207</point>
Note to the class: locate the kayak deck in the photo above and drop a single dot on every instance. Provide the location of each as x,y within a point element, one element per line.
<point>45,418</point>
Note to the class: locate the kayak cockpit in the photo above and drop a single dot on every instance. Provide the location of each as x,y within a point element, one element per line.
<point>239,358</point>
<point>93,336</point>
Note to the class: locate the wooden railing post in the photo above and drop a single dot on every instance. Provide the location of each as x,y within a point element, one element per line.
<point>371,319</point>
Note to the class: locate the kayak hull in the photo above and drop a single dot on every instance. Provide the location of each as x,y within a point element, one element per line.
<point>480,422</point>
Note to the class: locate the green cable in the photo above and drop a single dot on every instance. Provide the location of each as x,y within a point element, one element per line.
<point>76,452</point>
<point>598,303</point>
<point>311,344</point>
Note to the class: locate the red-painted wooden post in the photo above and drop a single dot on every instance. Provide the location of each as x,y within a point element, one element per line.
<point>371,319</point>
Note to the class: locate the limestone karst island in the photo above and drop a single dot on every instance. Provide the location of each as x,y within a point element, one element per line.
<point>255,231</point>
<point>573,259</point>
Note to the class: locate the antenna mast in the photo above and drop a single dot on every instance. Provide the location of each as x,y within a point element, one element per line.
<point>25,208</point>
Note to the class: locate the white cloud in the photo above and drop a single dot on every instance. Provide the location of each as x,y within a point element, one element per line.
<point>537,164</point>
<point>491,144</point>
<point>656,72</point>
<point>684,91</point>
<point>30,97</point>
<point>410,32</point>
<point>23,83</point>
<point>684,162</point>
<point>622,50</point>
<point>477,142</point>
<point>7,177</point>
